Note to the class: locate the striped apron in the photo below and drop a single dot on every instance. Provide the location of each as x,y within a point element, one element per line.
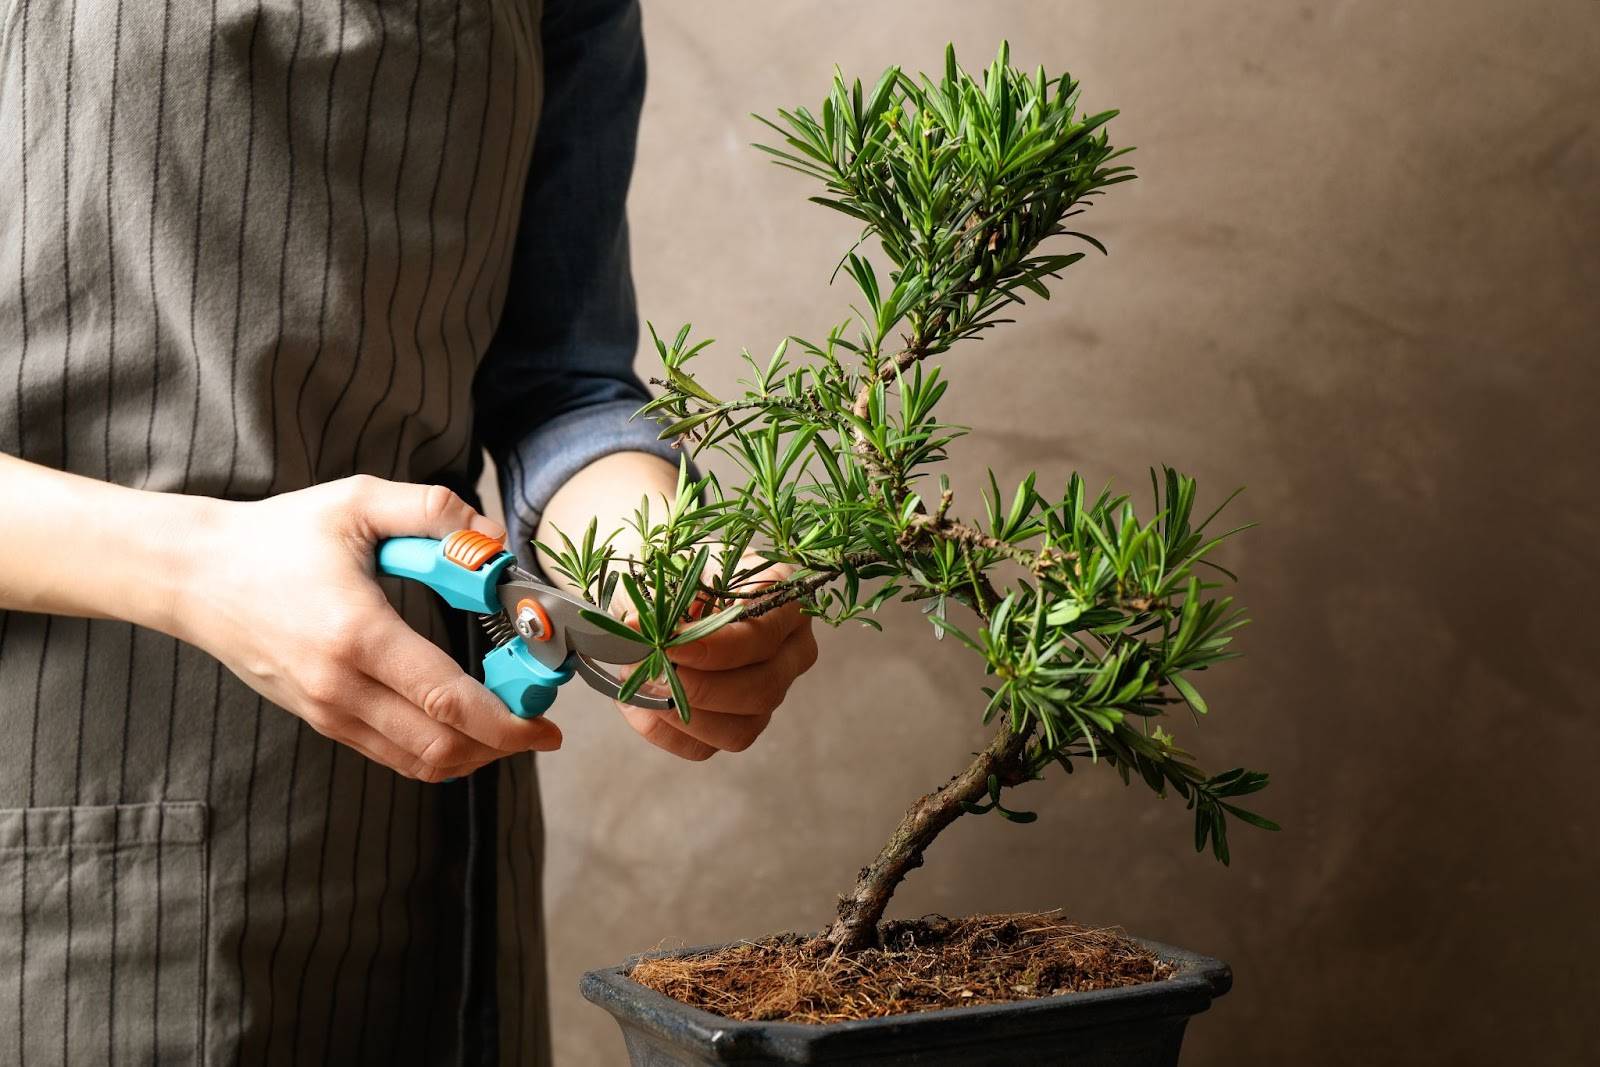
<point>247,246</point>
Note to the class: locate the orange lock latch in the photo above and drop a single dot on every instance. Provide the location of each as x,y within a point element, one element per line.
<point>471,549</point>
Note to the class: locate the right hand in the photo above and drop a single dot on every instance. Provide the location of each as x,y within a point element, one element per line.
<point>283,592</point>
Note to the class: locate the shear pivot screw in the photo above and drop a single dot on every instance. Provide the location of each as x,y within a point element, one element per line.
<point>531,622</point>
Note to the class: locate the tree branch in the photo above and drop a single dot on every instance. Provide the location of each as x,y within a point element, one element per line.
<point>799,586</point>
<point>938,526</point>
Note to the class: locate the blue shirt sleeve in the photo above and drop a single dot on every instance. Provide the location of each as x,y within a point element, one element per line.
<point>556,388</point>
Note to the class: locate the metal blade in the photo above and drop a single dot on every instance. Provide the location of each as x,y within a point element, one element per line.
<point>606,683</point>
<point>569,631</point>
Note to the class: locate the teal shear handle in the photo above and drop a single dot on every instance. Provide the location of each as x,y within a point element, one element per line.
<point>466,569</point>
<point>423,559</point>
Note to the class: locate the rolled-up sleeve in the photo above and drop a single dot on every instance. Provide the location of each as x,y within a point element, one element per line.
<point>556,389</point>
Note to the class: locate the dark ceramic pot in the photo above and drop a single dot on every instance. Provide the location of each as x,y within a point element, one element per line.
<point>1136,1026</point>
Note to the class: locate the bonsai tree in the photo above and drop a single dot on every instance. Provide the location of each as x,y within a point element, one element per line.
<point>1092,621</point>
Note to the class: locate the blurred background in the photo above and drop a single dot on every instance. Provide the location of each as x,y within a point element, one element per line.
<point>1358,275</point>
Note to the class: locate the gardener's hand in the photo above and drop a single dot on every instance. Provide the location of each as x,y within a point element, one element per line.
<point>734,679</point>
<point>283,592</point>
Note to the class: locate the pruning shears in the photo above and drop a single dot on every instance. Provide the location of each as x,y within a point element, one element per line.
<point>540,637</point>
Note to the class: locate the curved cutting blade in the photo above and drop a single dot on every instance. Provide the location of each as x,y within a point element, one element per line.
<point>568,630</point>
<point>607,684</point>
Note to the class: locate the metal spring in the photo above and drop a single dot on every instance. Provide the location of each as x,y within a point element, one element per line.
<point>498,628</point>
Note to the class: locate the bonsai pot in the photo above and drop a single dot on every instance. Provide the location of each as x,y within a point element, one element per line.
<point>1133,1026</point>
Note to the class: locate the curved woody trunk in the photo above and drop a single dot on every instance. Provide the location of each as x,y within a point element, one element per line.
<point>862,908</point>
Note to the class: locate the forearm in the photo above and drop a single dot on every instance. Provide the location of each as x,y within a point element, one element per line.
<point>77,546</point>
<point>608,491</point>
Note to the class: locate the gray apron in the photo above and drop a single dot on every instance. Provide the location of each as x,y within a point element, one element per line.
<point>246,247</point>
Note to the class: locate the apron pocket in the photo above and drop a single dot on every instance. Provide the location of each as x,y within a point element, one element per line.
<point>103,931</point>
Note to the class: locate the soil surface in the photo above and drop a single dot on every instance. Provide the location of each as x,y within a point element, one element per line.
<point>924,964</point>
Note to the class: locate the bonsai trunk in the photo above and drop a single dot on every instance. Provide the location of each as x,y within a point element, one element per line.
<point>862,908</point>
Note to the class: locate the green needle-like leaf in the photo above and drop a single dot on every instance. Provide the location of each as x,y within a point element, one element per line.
<point>680,699</point>
<point>706,626</point>
<point>613,626</point>
<point>1190,693</point>
<point>648,668</point>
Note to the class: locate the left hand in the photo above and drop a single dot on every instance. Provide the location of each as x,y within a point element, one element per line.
<point>734,679</point>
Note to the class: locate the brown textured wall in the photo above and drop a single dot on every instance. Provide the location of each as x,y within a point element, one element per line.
<point>1358,275</point>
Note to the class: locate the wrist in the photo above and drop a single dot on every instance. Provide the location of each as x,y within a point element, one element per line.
<point>179,538</point>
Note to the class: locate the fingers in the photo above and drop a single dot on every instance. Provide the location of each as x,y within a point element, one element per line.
<point>426,741</point>
<point>425,677</point>
<point>375,642</point>
<point>401,509</point>
<point>379,749</point>
<point>754,690</point>
<point>366,714</point>
<point>719,730</point>
<point>729,709</point>
<point>742,643</point>
<point>391,731</point>
<point>655,728</point>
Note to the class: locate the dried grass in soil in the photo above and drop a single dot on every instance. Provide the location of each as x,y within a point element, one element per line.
<point>924,964</point>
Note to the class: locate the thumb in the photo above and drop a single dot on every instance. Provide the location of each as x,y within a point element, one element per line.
<point>402,509</point>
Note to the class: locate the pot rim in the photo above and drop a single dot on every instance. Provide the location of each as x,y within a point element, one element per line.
<point>1196,982</point>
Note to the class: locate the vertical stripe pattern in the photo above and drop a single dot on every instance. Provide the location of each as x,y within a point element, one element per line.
<point>246,246</point>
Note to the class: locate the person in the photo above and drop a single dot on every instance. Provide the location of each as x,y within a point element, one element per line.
<point>274,278</point>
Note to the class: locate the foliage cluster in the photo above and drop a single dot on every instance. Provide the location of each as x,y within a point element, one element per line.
<point>1093,621</point>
